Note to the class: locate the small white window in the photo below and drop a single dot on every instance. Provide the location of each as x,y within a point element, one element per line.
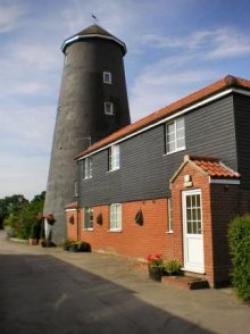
<point>175,135</point>
<point>170,215</point>
<point>115,217</point>
<point>76,189</point>
<point>108,108</point>
<point>88,218</point>
<point>107,78</point>
<point>65,60</point>
<point>114,157</point>
<point>88,168</point>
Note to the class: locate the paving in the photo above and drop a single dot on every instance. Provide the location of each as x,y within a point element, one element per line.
<point>53,291</point>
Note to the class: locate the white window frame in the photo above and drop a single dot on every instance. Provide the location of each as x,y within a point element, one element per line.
<point>109,108</point>
<point>76,189</point>
<point>115,217</point>
<point>170,216</point>
<point>107,77</point>
<point>88,168</point>
<point>90,212</point>
<point>175,135</point>
<point>114,157</point>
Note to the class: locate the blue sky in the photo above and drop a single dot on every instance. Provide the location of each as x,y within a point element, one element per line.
<point>174,48</point>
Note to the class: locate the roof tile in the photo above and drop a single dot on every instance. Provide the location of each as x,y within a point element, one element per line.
<point>214,167</point>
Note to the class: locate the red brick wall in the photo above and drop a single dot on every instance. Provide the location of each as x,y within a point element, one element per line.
<point>72,224</point>
<point>134,240</point>
<point>200,181</point>
<point>220,204</point>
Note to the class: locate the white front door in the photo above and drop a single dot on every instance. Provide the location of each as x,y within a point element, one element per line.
<point>192,231</point>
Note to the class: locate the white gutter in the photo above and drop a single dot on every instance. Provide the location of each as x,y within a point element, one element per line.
<point>223,181</point>
<point>168,118</point>
<point>80,37</point>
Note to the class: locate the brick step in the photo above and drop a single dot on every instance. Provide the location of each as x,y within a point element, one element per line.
<point>186,282</point>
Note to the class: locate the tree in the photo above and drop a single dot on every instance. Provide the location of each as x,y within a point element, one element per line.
<point>21,220</point>
<point>11,205</point>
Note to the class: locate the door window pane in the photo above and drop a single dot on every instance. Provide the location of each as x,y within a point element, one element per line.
<point>193,214</point>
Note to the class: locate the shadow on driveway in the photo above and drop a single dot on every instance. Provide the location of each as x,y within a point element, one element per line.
<point>41,294</point>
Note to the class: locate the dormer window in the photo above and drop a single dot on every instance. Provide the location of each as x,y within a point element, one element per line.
<point>107,78</point>
<point>108,108</point>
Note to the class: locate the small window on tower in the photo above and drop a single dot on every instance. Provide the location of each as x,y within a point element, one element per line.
<point>65,60</point>
<point>108,108</point>
<point>107,78</point>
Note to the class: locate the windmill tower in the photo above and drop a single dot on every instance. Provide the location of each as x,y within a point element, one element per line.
<point>92,104</point>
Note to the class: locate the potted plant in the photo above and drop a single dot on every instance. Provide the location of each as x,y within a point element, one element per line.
<point>76,246</point>
<point>83,246</point>
<point>172,268</point>
<point>67,243</point>
<point>155,267</point>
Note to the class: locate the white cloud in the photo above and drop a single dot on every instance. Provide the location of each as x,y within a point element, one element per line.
<point>191,65</point>
<point>230,43</point>
<point>158,86</point>
<point>218,43</point>
<point>10,17</point>
<point>43,57</point>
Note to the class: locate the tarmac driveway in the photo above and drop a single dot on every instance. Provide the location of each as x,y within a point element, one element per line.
<point>52,291</point>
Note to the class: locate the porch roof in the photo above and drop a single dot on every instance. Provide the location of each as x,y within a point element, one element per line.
<point>72,205</point>
<point>212,167</point>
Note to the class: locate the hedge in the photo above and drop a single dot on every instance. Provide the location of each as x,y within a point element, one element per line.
<point>239,242</point>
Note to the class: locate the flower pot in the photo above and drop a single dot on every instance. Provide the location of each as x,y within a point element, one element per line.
<point>33,242</point>
<point>73,248</point>
<point>155,273</point>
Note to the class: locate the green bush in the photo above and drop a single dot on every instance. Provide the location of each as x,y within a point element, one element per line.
<point>173,267</point>
<point>239,242</point>
<point>21,219</point>
<point>76,246</point>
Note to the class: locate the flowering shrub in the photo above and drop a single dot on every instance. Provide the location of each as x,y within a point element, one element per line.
<point>155,260</point>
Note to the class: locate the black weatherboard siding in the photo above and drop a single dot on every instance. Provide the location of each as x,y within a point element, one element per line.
<point>242,121</point>
<point>80,117</point>
<point>145,169</point>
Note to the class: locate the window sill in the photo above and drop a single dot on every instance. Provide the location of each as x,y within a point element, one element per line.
<point>115,231</point>
<point>113,170</point>
<point>179,150</point>
<point>88,229</point>
<point>169,232</point>
<point>109,114</point>
<point>87,178</point>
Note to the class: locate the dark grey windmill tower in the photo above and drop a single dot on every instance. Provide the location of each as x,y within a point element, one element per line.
<point>92,104</point>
